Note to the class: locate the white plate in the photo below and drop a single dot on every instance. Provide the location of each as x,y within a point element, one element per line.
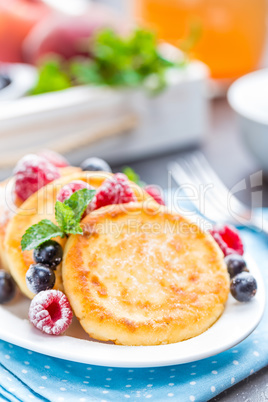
<point>235,324</point>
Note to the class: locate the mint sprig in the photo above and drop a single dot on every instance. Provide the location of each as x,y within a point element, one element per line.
<point>65,217</point>
<point>68,215</point>
<point>111,59</point>
<point>79,201</point>
<point>39,233</point>
<point>122,61</point>
<point>133,176</point>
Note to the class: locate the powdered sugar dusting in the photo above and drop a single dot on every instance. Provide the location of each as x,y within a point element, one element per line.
<point>54,158</point>
<point>33,172</point>
<point>44,319</point>
<point>228,239</point>
<point>115,190</point>
<point>156,193</point>
<point>71,188</point>
<point>7,202</point>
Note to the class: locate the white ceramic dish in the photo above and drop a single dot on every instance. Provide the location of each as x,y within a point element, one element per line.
<point>117,125</point>
<point>23,78</point>
<point>248,96</point>
<point>236,323</point>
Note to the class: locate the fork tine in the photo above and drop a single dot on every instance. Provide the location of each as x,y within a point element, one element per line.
<point>206,195</point>
<point>182,176</point>
<point>216,196</point>
<point>195,170</point>
<point>199,161</point>
<point>204,167</point>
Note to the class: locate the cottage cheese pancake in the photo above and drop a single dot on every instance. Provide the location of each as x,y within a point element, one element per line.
<point>143,276</point>
<point>8,206</point>
<point>9,203</point>
<point>38,206</point>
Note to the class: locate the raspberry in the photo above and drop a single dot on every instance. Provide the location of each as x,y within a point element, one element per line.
<point>228,239</point>
<point>50,312</point>
<point>71,188</point>
<point>31,173</point>
<point>115,190</point>
<point>54,158</point>
<point>155,192</point>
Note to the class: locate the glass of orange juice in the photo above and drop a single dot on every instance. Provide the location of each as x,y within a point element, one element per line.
<point>232,32</point>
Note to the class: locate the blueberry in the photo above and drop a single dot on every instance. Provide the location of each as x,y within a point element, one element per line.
<point>235,264</point>
<point>243,287</point>
<point>95,164</point>
<point>7,287</point>
<point>48,253</point>
<point>40,277</point>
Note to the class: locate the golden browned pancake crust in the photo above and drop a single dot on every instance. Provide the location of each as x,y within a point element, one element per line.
<point>144,276</point>
<point>9,204</point>
<point>8,207</point>
<point>41,205</point>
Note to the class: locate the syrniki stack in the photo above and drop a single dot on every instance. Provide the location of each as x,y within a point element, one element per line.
<point>144,276</point>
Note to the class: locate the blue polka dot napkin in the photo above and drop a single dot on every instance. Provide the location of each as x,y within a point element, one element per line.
<point>28,376</point>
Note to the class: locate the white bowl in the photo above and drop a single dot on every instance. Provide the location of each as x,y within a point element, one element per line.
<point>135,125</point>
<point>248,96</point>
<point>23,78</point>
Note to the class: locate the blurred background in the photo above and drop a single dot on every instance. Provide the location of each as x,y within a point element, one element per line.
<point>135,81</point>
<point>231,34</point>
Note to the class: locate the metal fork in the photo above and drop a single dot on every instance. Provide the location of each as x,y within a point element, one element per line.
<point>215,202</point>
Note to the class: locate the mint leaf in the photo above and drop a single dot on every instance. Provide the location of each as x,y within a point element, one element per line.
<point>112,59</point>
<point>75,229</point>
<point>64,216</point>
<point>122,61</point>
<point>39,233</point>
<point>79,201</point>
<point>133,176</point>
<point>68,215</point>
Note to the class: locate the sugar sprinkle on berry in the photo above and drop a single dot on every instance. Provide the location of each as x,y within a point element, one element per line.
<point>235,264</point>
<point>50,312</point>
<point>39,277</point>
<point>33,172</point>
<point>53,157</point>
<point>115,190</point>
<point>243,287</point>
<point>48,253</point>
<point>95,164</point>
<point>228,239</point>
<point>71,188</point>
<point>155,193</point>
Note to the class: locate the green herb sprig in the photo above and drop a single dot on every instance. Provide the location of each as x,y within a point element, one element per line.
<point>123,61</point>
<point>133,176</point>
<point>113,60</point>
<point>52,78</point>
<point>68,215</point>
